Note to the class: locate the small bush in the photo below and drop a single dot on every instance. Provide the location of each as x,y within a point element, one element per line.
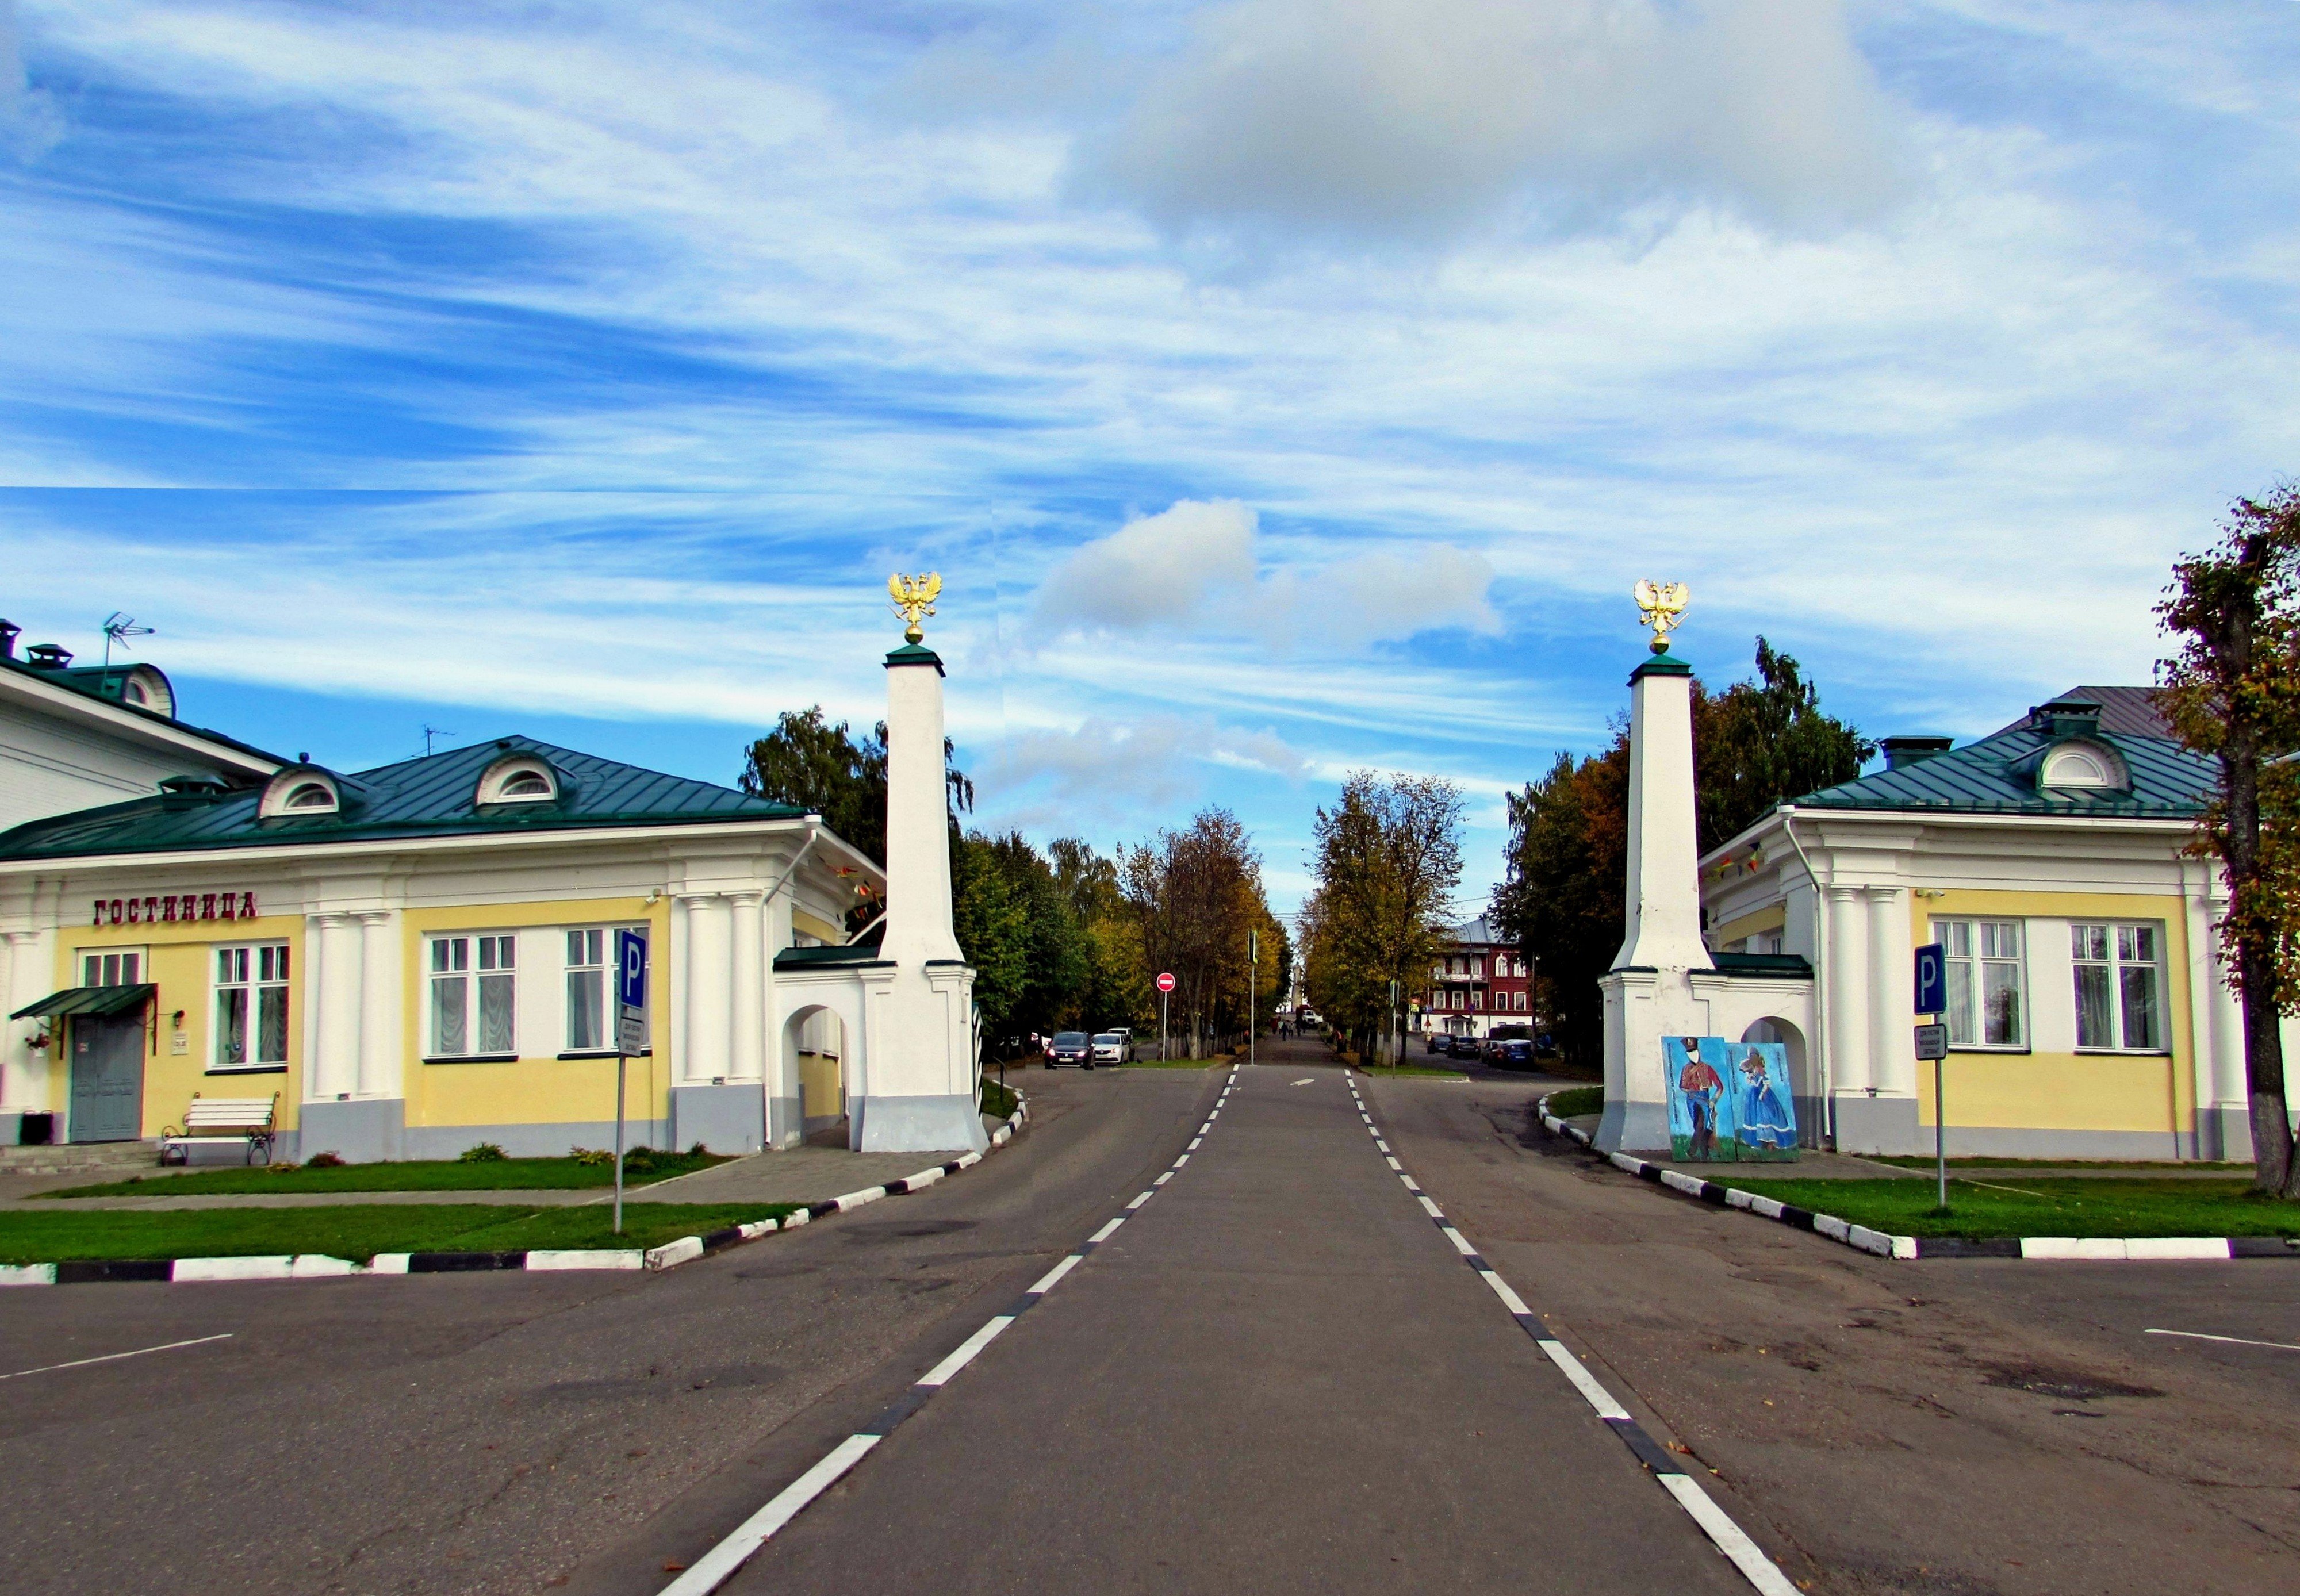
<point>484,1152</point>
<point>327,1161</point>
<point>591,1158</point>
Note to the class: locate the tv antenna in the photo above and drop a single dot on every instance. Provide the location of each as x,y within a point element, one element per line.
<point>119,628</point>
<point>429,732</point>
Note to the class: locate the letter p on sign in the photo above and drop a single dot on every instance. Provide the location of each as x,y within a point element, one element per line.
<point>1932,979</point>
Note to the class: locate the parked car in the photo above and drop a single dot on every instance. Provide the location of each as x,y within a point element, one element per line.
<point>1439,1042</point>
<point>1069,1047</point>
<point>1112,1047</point>
<point>1512,1053</point>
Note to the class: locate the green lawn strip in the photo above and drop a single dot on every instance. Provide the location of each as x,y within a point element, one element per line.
<point>2040,1207</point>
<point>431,1175</point>
<point>1926,1161</point>
<point>1576,1101</point>
<point>998,1102</point>
<point>358,1231</point>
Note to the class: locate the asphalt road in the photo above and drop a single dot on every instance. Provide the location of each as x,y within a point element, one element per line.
<point>511,1432</point>
<point>1961,1426</point>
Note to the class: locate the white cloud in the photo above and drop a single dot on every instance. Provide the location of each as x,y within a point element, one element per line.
<point>1400,119</point>
<point>29,122</point>
<point>1163,568</point>
<point>1109,765</point>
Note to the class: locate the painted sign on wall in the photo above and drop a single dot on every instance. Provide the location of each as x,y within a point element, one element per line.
<point>1728,1100</point>
<point>174,907</point>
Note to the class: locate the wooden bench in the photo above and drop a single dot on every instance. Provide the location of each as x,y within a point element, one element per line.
<point>251,1119</point>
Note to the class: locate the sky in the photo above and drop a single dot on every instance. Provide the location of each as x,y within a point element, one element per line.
<point>1281,388</point>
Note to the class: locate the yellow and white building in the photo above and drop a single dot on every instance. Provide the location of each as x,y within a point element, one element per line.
<point>415,958</point>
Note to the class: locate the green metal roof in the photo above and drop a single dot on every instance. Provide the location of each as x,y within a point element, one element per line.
<point>109,683</point>
<point>866,952</point>
<point>436,795</point>
<point>95,1001</point>
<point>1994,775</point>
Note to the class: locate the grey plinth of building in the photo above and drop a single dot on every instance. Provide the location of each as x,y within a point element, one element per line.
<point>1634,1127</point>
<point>785,1121</point>
<point>358,1130</point>
<point>728,1119</point>
<point>916,1124</point>
<point>1886,1124</point>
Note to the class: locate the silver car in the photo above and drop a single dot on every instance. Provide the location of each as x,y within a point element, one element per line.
<point>1113,1047</point>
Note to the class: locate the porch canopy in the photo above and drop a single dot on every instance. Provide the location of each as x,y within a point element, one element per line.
<point>95,1001</point>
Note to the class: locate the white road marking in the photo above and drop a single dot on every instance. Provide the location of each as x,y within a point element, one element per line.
<point>1510,1299</point>
<point>2236,1341</point>
<point>940,1374</point>
<point>1433,1210</point>
<point>1584,1382</point>
<point>715,1566</point>
<point>1715,1523</point>
<point>1162,1179</point>
<point>1138,1202</point>
<point>1104,1234</point>
<point>197,1341</point>
<point>1307,1080</point>
<point>1046,1282</point>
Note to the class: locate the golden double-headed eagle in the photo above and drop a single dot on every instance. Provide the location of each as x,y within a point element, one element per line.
<point>914,599</point>
<point>1662,606</point>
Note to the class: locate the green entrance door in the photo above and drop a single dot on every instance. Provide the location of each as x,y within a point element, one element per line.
<point>107,1078</point>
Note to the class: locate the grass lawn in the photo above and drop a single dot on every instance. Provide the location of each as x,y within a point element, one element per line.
<point>997,1101</point>
<point>1580,1099</point>
<point>2040,1207</point>
<point>357,1232</point>
<point>429,1174</point>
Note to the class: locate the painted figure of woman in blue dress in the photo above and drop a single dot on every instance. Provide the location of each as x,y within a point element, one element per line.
<point>1766,1118</point>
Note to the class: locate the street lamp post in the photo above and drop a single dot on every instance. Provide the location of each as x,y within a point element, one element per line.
<point>1253,980</point>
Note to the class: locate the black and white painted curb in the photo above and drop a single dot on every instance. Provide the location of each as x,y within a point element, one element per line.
<point>315,1266</point>
<point>1714,1522</point>
<point>1883,1244</point>
<point>717,1565</point>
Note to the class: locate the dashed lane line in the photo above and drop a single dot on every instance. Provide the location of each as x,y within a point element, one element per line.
<point>716,1567</point>
<point>1714,1522</point>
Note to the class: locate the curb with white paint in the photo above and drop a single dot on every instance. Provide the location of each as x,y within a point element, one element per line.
<point>714,1567</point>
<point>1883,1244</point>
<point>1714,1522</point>
<point>315,1265</point>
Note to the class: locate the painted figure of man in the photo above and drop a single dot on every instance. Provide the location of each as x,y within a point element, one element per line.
<point>1702,1089</point>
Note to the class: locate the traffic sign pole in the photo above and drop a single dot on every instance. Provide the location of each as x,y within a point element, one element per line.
<point>1253,980</point>
<point>631,1034</point>
<point>1165,990</point>
<point>1932,1043</point>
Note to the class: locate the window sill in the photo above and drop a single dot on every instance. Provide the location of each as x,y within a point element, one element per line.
<point>2123,1053</point>
<point>246,1070</point>
<point>1998,1052</point>
<point>606,1052</point>
<point>475,1058</point>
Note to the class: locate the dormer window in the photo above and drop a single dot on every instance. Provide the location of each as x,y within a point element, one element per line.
<point>301,790</point>
<point>522,778</point>
<point>2083,766</point>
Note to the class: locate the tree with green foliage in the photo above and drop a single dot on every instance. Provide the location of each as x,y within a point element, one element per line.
<point>813,765</point>
<point>1388,860</point>
<point>2231,690</point>
<point>993,932</point>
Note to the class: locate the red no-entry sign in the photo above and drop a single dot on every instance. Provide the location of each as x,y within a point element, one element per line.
<point>1165,980</point>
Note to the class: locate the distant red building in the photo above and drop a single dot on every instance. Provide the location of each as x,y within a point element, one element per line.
<point>1478,981</point>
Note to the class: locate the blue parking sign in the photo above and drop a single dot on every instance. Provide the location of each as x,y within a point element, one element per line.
<point>1932,979</point>
<point>630,991</point>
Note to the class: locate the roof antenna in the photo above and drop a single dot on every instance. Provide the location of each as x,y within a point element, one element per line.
<point>119,628</point>
<point>429,732</point>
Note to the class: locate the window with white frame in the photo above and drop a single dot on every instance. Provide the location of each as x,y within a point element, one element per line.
<point>2119,986</point>
<point>590,994</point>
<point>1985,1008</point>
<point>110,967</point>
<point>474,991</point>
<point>251,1007</point>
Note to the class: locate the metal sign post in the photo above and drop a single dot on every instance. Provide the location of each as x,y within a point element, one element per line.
<point>631,1034</point>
<point>1166,989</point>
<point>1932,1044</point>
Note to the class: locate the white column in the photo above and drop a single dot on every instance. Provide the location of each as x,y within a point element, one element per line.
<point>1848,991</point>
<point>710,999</point>
<point>749,1052</point>
<point>15,1058</point>
<point>1663,901</point>
<point>380,1058</point>
<point>918,814</point>
<point>1892,977</point>
<point>335,1073</point>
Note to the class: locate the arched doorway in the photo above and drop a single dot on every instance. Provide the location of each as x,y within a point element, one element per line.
<point>1774,1029</point>
<point>815,1057</point>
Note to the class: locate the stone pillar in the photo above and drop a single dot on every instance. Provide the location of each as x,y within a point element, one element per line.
<point>334,1073</point>
<point>1845,980</point>
<point>2225,1129</point>
<point>352,1106</point>
<point>380,1061</point>
<point>749,1051</point>
<point>1648,994</point>
<point>919,1091</point>
<point>785,1112</point>
<point>710,1101</point>
<point>1891,1115</point>
<point>23,1073</point>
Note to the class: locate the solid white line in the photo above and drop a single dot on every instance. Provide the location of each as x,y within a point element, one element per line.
<point>940,1374</point>
<point>1753,1564</point>
<point>714,1567</point>
<point>170,1346</point>
<point>1046,1282</point>
<point>2237,1340</point>
<point>1104,1233</point>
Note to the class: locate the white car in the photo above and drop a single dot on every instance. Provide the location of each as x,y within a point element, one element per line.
<point>1113,1047</point>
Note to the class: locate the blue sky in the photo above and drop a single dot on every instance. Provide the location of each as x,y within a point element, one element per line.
<point>1280,387</point>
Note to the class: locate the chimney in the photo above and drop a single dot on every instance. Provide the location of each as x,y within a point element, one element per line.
<point>48,656</point>
<point>9,632</point>
<point>2067,717</point>
<point>1901,752</point>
